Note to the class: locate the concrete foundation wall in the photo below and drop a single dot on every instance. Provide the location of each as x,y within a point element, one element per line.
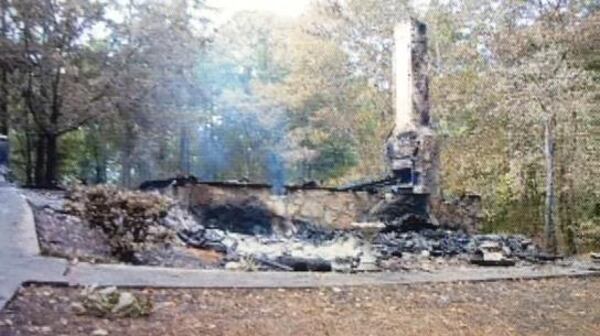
<point>326,208</point>
<point>239,206</point>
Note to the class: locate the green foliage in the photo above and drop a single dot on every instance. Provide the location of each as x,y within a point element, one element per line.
<point>508,211</point>
<point>588,237</point>
<point>492,91</point>
<point>336,157</point>
<point>20,157</point>
<point>73,152</point>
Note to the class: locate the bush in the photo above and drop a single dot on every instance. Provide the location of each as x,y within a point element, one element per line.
<point>130,219</point>
<point>588,236</point>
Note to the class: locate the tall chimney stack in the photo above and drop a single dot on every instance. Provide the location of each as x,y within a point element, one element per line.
<point>412,148</point>
<point>411,85</point>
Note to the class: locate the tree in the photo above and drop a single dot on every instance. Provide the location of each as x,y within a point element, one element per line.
<point>552,88</point>
<point>4,70</point>
<point>60,77</point>
<point>156,49</point>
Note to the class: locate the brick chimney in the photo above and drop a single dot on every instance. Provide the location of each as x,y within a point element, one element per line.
<point>412,149</point>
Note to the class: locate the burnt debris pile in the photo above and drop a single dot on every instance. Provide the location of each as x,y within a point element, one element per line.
<point>314,248</point>
<point>381,224</point>
<point>244,217</point>
<point>448,244</point>
<point>236,228</point>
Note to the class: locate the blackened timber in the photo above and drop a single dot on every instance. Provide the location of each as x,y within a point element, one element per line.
<point>305,264</point>
<point>375,186</point>
<point>178,181</point>
<point>182,181</point>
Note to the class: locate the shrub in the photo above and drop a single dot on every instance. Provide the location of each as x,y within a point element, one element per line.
<point>128,218</point>
<point>588,236</point>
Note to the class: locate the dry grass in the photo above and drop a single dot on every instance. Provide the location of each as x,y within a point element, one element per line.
<point>549,307</point>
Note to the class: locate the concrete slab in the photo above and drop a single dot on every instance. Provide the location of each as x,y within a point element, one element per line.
<point>18,236</point>
<point>136,276</point>
<point>8,288</point>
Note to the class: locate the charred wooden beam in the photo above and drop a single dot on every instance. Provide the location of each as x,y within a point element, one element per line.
<point>305,264</point>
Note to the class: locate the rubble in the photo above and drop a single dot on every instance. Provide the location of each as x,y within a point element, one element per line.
<point>395,242</point>
<point>446,243</point>
<point>100,332</point>
<point>110,302</point>
<point>65,235</point>
<point>368,247</point>
<point>492,253</point>
<point>298,264</point>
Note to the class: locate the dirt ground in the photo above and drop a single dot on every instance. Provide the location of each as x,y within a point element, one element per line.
<point>545,307</point>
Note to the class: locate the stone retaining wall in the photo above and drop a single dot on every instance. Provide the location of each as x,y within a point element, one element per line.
<point>234,205</point>
<point>322,207</point>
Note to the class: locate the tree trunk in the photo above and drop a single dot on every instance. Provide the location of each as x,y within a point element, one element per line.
<point>143,171</point>
<point>184,151</point>
<point>40,160</point>
<point>570,220</point>
<point>125,171</point>
<point>567,220</point>
<point>4,116</point>
<point>100,166</point>
<point>51,160</point>
<point>28,159</point>
<point>549,153</point>
<point>126,159</point>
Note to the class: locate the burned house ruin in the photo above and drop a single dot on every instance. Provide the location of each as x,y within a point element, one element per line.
<point>407,198</point>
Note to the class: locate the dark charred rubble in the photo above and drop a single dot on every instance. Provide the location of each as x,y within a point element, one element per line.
<point>245,231</point>
<point>405,239</point>
<point>397,241</point>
